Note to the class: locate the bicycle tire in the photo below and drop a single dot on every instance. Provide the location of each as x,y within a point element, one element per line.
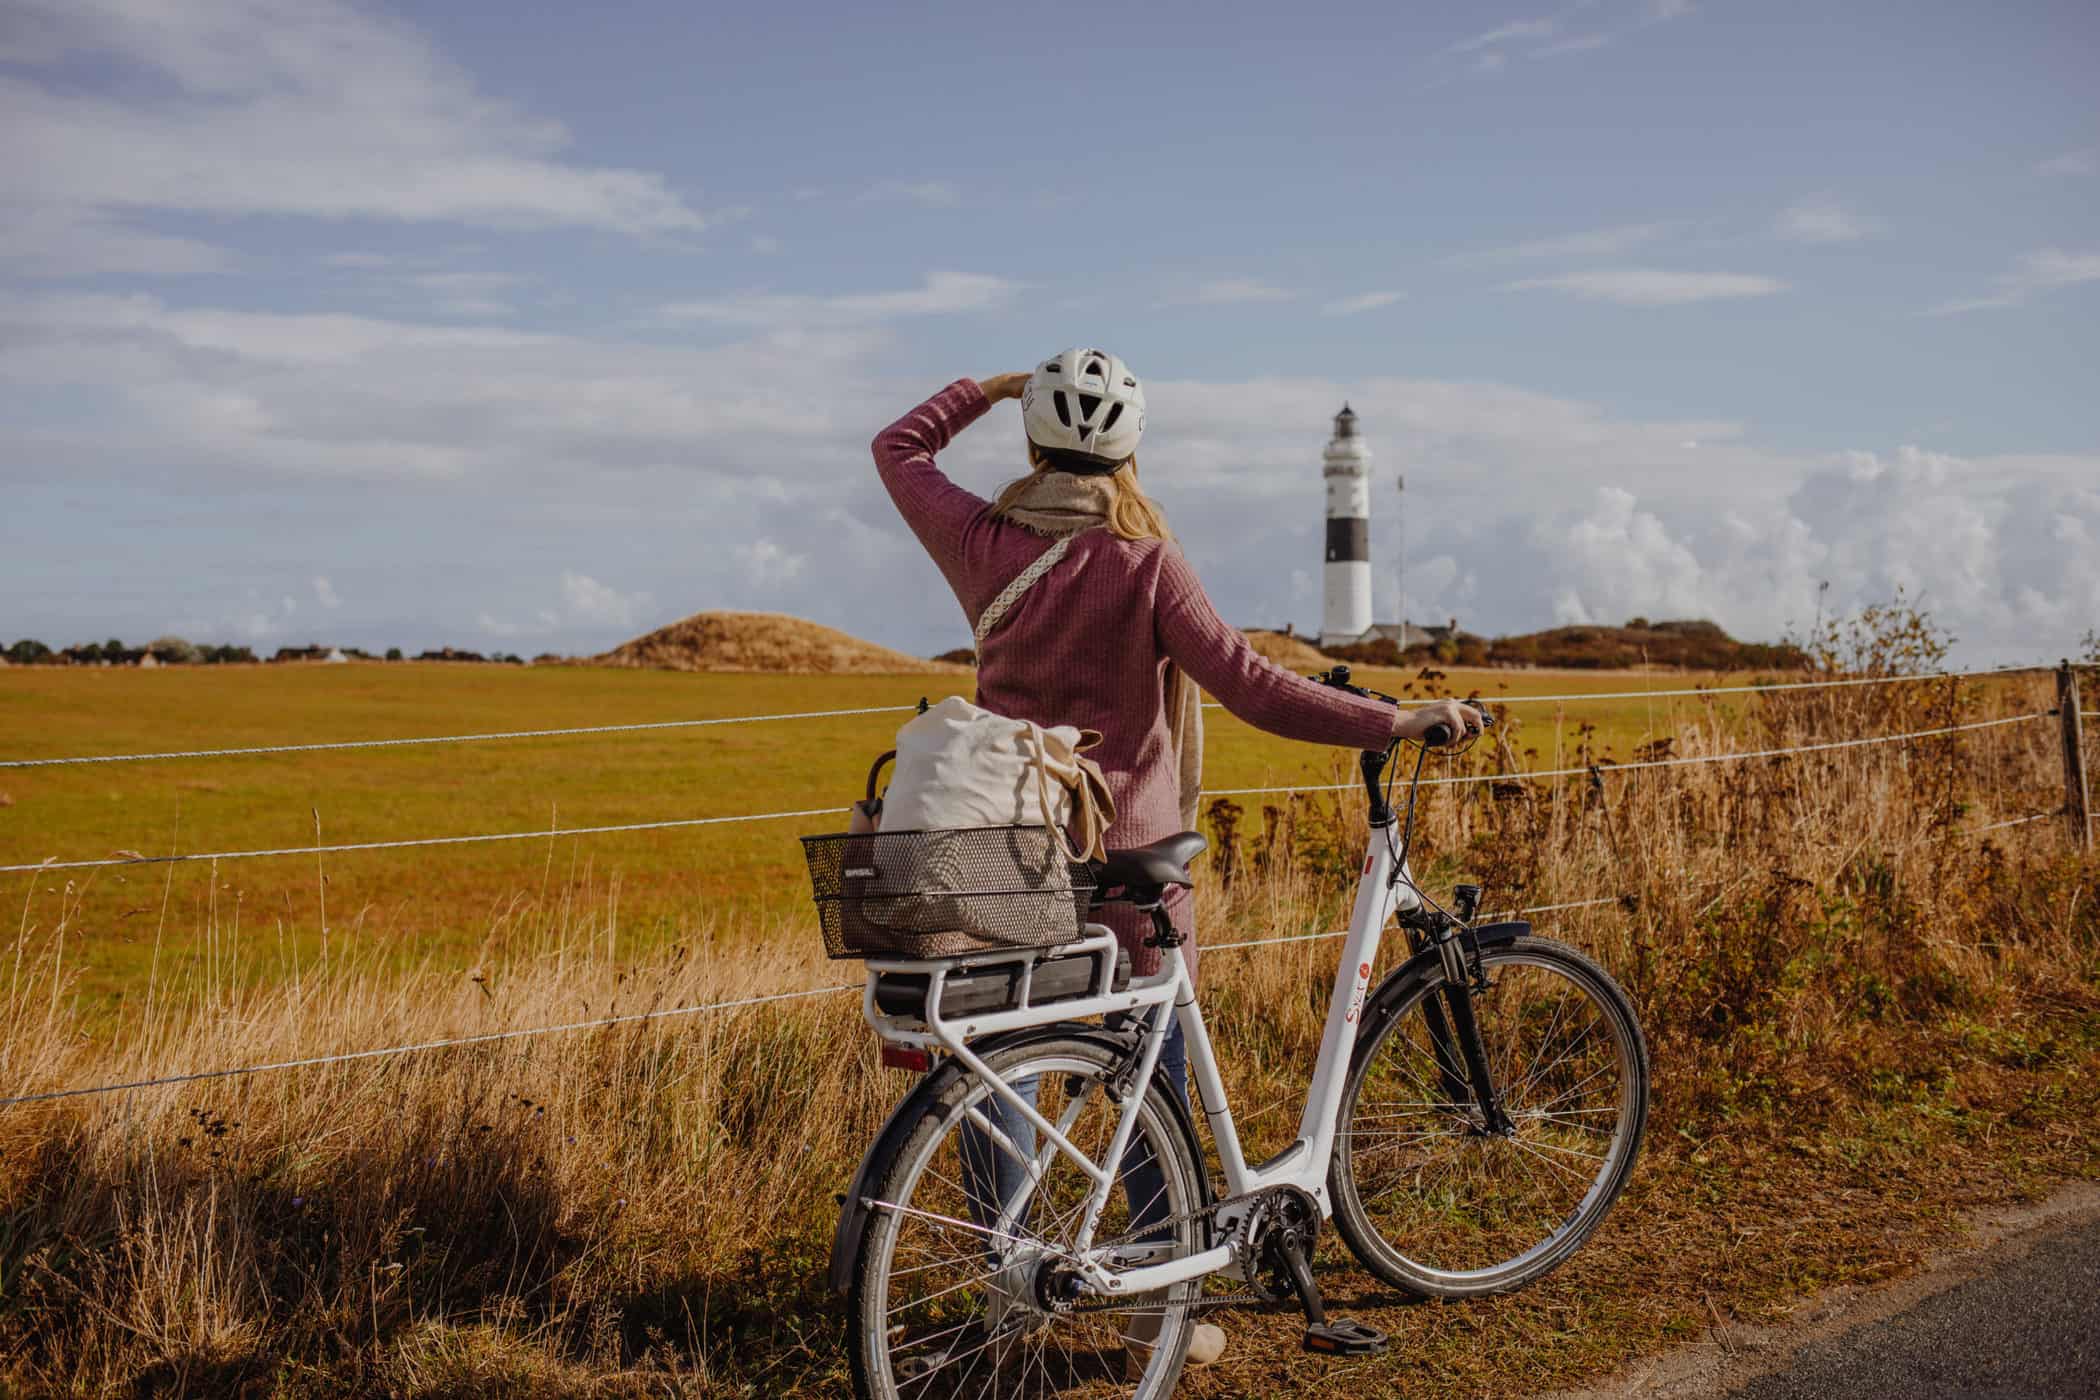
<point>1427,1198</point>
<point>900,1360</point>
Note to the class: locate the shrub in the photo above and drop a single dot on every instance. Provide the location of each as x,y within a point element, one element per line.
<point>174,651</point>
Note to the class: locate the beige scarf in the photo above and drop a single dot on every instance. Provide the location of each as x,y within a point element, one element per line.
<point>1058,504</point>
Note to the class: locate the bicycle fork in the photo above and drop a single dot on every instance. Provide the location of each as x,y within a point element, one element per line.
<point>1454,1032</point>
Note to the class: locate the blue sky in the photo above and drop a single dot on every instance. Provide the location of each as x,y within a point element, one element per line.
<point>531,327</point>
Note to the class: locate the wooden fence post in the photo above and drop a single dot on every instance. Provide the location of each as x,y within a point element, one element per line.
<point>2076,810</point>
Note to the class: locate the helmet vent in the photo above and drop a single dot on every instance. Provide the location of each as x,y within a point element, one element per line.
<point>1064,412</point>
<point>1053,368</point>
<point>1115,411</point>
<point>1096,368</point>
<point>1088,403</point>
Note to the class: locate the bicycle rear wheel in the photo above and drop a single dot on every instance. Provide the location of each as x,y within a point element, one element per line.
<point>1436,1201</point>
<point>955,1290</point>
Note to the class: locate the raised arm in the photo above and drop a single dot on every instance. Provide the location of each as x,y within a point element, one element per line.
<point>1217,656</point>
<point>935,507</point>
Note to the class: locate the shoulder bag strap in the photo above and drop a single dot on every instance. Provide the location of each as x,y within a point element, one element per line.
<point>996,611</point>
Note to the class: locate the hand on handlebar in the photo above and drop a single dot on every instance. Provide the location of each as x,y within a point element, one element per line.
<point>1439,723</point>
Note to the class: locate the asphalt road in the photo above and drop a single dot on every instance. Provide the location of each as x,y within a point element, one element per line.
<point>2029,1327</point>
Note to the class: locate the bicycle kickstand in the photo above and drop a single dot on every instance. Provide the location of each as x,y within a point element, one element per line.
<point>1339,1337</point>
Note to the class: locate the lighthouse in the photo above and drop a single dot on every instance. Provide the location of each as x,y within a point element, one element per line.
<point>1347,461</point>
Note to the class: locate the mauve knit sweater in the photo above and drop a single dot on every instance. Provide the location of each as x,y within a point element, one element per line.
<point>1089,644</point>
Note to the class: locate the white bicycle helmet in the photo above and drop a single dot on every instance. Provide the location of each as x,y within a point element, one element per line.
<point>1085,409</point>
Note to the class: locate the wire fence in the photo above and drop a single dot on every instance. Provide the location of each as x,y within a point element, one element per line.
<point>555,832</point>
<point>1595,770</point>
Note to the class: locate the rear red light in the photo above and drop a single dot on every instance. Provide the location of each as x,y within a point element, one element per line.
<point>912,1057</point>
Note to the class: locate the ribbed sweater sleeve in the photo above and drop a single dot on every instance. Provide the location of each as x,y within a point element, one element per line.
<point>1217,656</point>
<point>936,508</point>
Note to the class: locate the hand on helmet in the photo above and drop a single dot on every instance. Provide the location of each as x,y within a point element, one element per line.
<point>1004,386</point>
<point>1461,722</point>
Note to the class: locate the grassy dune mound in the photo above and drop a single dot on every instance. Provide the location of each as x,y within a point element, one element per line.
<point>1291,653</point>
<point>749,641</point>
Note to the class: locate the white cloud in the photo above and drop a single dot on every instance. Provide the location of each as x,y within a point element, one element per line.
<point>290,107</point>
<point>764,244</point>
<point>1822,219</point>
<point>1506,33</point>
<point>2046,270</point>
<point>589,601</point>
<point>1580,43</point>
<point>768,565</point>
<point>1362,301</point>
<point>72,241</point>
<point>1992,549</point>
<point>324,592</point>
<point>941,293</point>
<point>1590,243</point>
<point>1662,10</point>
<point>934,194</point>
<point>711,478</point>
<point>585,604</point>
<point>2086,162</point>
<point>1648,286</point>
<point>1233,291</point>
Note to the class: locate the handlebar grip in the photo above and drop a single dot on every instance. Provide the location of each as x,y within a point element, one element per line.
<point>1438,735</point>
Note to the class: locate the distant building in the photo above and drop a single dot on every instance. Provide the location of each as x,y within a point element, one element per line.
<point>1346,617</point>
<point>1344,465</point>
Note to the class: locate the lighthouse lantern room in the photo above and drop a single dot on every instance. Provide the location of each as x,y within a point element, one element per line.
<point>1347,615</point>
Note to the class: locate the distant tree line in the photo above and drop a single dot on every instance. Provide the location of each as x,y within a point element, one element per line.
<point>1694,644</point>
<point>178,651</point>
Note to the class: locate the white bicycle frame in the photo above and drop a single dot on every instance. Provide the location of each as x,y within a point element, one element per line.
<point>1302,1165</point>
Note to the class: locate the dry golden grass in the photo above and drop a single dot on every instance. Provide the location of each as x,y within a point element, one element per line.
<point>774,642</point>
<point>1861,1018</point>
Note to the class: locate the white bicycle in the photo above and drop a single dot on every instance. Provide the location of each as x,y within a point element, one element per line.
<point>1036,1217</point>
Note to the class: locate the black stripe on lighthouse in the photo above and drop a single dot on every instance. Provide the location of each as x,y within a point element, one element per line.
<point>1349,541</point>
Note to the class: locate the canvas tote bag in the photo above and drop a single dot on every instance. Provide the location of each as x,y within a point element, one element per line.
<point>994,798</point>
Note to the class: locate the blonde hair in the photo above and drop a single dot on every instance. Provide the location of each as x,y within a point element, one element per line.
<point>1132,515</point>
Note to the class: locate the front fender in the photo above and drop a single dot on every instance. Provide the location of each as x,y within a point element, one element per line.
<point>1385,1002</point>
<point>853,1206</point>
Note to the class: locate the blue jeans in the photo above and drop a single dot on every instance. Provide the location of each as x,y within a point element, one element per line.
<point>992,1177</point>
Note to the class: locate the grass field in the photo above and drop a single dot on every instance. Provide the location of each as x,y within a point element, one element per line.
<point>1864,1014</point>
<point>443,904</point>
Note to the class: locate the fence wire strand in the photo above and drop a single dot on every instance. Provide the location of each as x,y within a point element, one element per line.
<point>450,738</point>
<point>1603,768</point>
<point>632,1018</point>
<point>415,741</point>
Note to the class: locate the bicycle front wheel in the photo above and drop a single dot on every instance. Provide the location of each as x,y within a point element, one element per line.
<point>1439,1202</point>
<point>959,1289</point>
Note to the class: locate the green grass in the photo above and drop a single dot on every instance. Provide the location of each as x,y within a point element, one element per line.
<point>442,902</point>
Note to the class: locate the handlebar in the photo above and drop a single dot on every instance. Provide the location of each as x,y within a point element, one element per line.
<point>1436,736</point>
<point>1373,761</point>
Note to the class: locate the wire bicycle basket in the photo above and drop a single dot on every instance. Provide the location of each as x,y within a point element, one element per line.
<point>945,893</point>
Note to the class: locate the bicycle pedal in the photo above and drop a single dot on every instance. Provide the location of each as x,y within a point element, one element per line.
<point>1342,1337</point>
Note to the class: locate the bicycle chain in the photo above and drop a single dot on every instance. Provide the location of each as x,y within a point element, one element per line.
<point>1242,1245</point>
